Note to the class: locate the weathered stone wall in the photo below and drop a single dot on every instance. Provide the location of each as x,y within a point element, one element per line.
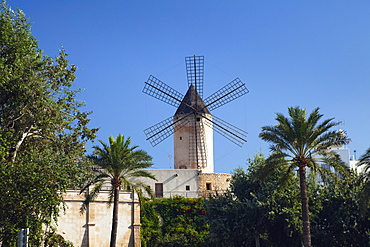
<point>93,228</point>
<point>210,183</point>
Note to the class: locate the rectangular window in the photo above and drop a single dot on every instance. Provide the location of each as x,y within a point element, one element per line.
<point>208,186</point>
<point>187,187</point>
<point>158,190</point>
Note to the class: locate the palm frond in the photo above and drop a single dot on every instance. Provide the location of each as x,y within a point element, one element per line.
<point>91,196</point>
<point>274,162</point>
<point>365,161</point>
<point>111,196</point>
<point>99,178</point>
<point>142,174</point>
<point>119,162</point>
<point>137,186</point>
<point>300,139</point>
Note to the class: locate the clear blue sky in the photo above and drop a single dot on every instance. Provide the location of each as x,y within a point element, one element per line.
<point>289,53</point>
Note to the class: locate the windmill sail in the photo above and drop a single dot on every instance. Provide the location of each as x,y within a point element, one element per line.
<point>195,72</point>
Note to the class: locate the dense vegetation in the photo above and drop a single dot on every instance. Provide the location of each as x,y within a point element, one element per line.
<point>174,221</point>
<point>256,212</point>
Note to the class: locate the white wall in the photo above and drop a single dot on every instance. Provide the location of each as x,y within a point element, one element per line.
<point>174,181</point>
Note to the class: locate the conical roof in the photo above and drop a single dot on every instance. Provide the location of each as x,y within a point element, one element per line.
<point>192,102</point>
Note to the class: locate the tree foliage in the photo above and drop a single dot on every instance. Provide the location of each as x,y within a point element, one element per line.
<point>253,212</point>
<point>42,130</point>
<point>177,221</point>
<point>256,212</point>
<point>337,219</point>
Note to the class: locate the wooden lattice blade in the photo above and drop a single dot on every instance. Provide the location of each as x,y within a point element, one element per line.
<point>229,131</point>
<point>195,72</point>
<point>160,90</point>
<point>230,92</point>
<point>197,143</point>
<point>162,130</point>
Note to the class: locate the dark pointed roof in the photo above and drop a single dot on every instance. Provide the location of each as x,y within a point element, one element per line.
<point>192,102</point>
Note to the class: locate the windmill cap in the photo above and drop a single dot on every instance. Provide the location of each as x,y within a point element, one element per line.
<point>192,102</point>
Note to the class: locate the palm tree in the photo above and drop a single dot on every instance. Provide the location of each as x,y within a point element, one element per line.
<point>301,142</point>
<point>365,161</point>
<point>364,179</point>
<point>117,164</point>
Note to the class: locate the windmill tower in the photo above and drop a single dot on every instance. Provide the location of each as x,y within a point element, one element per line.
<point>193,124</point>
<point>193,142</point>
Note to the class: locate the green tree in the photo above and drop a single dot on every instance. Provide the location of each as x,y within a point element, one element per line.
<point>336,216</point>
<point>237,217</point>
<point>43,130</point>
<point>119,165</point>
<point>253,212</point>
<point>301,142</point>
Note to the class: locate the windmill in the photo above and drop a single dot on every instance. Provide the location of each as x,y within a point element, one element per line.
<point>193,124</point>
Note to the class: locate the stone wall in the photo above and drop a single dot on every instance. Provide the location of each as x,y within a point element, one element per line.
<point>211,183</point>
<point>93,228</point>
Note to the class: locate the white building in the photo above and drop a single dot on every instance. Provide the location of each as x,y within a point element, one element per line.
<point>346,157</point>
<point>186,182</point>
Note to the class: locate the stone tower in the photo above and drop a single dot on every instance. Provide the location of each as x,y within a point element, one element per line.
<point>193,140</point>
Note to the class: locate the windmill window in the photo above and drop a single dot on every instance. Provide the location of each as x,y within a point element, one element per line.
<point>187,187</point>
<point>198,119</point>
<point>180,138</point>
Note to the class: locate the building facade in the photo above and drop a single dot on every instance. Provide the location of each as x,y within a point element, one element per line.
<point>190,183</point>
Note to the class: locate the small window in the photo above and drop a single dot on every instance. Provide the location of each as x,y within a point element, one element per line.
<point>187,187</point>
<point>180,138</point>
<point>208,186</point>
<point>198,119</point>
<point>158,190</point>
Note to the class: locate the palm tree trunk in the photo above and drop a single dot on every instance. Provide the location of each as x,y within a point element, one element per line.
<point>305,211</point>
<point>257,239</point>
<point>113,237</point>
